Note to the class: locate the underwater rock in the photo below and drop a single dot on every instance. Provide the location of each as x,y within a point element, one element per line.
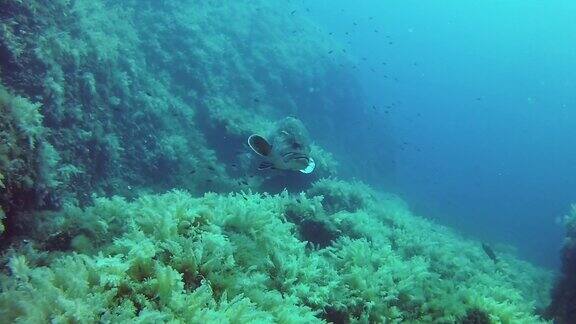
<point>562,308</point>
<point>2,226</point>
<point>475,316</point>
<point>335,316</point>
<point>317,233</point>
<point>313,224</point>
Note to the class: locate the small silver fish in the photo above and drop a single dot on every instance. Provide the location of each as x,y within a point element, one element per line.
<point>288,148</point>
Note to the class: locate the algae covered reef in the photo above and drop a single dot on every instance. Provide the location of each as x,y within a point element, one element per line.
<point>257,258</point>
<point>127,196</point>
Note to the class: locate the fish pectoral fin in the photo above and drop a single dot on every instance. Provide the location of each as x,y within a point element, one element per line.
<point>310,167</point>
<point>265,166</point>
<point>259,145</point>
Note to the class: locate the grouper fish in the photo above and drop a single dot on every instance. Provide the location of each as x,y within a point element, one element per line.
<point>287,147</point>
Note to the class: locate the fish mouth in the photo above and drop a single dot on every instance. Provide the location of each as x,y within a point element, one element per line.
<point>302,163</point>
<point>295,156</point>
<point>298,161</point>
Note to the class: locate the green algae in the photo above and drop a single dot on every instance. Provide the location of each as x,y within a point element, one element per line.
<point>124,125</point>
<point>240,257</point>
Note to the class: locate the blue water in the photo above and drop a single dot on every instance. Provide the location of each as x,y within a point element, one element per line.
<point>479,99</point>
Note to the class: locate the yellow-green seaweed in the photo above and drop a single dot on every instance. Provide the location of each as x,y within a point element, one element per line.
<point>238,257</point>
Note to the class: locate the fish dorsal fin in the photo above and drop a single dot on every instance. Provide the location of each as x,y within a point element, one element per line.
<point>259,145</point>
<point>310,167</point>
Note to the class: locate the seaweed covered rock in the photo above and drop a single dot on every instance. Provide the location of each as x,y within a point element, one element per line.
<point>29,165</point>
<point>313,224</point>
<point>21,131</point>
<point>134,107</point>
<point>563,306</point>
<point>171,257</point>
<point>2,217</point>
<point>475,316</point>
<point>239,256</point>
<point>340,195</point>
